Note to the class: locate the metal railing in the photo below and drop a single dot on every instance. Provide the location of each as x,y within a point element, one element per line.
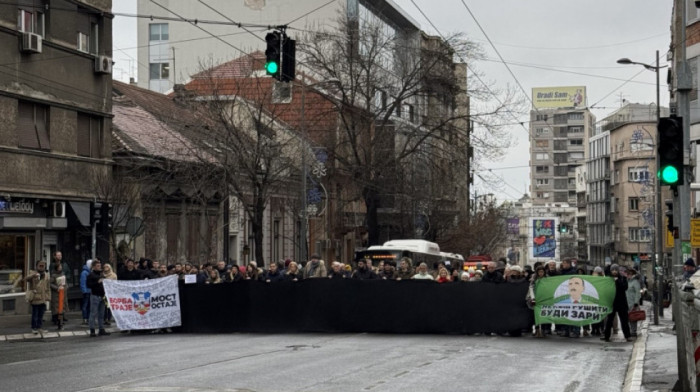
<point>686,314</point>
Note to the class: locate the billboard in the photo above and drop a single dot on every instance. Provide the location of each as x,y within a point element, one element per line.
<point>543,239</point>
<point>513,226</point>
<point>559,97</point>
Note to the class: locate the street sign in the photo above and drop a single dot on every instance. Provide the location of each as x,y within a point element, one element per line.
<point>695,233</point>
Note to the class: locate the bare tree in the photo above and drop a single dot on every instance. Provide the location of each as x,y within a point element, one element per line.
<point>484,233</point>
<point>395,94</point>
<point>257,152</point>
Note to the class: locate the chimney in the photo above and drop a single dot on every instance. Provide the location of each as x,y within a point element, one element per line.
<point>132,81</point>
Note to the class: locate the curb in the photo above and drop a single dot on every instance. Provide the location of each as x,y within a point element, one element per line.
<point>635,369</point>
<point>51,335</point>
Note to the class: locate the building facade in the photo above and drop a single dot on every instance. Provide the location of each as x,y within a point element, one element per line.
<point>598,218</point>
<point>170,52</point>
<point>55,105</point>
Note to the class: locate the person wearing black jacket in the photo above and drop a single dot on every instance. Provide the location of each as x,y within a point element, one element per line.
<point>362,272</point>
<point>97,293</point>
<point>492,275</point>
<point>130,272</point>
<point>273,274</point>
<point>337,271</point>
<point>619,305</point>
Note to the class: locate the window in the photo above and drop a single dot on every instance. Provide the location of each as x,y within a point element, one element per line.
<point>277,238</point>
<point>639,234</point>
<point>542,181</point>
<point>638,174</point>
<point>33,126</point>
<point>541,117</point>
<point>159,71</point>
<point>576,142</point>
<point>633,203</point>
<point>94,41</point>
<point>83,42</point>
<point>576,116</point>
<point>541,156</point>
<point>575,129</point>
<point>542,131</point>
<point>541,169</point>
<point>541,143</point>
<point>542,195</point>
<point>89,136</point>
<point>158,32</point>
<point>575,156</point>
<point>30,22</point>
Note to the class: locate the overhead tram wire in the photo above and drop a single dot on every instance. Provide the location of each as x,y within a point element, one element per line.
<point>581,47</point>
<point>201,28</point>
<point>311,12</point>
<point>473,73</point>
<point>231,20</point>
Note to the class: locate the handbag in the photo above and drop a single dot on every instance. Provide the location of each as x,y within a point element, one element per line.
<point>637,315</point>
<point>29,296</point>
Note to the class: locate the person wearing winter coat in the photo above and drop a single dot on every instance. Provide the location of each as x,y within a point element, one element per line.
<point>388,272</point>
<point>337,271</point>
<point>619,305</point>
<point>57,283</point>
<point>405,270</point>
<point>363,272</point>
<point>85,303</point>
<point>633,294</point>
<point>293,273</point>
<point>315,268</point>
<point>273,274</point>
<point>97,302</point>
<point>39,284</point>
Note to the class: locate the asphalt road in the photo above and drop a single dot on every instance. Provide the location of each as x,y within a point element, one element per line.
<point>312,362</point>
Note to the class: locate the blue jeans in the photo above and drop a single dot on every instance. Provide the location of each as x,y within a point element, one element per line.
<point>38,315</point>
<point>97,312</point>
<point>85,306</point>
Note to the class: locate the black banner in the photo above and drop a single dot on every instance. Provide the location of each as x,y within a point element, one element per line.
<point>348,305</point>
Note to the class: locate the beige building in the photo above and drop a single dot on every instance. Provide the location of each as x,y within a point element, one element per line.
<point>632,190</point>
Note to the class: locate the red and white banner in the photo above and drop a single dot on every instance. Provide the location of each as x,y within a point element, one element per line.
<point>144,304</point>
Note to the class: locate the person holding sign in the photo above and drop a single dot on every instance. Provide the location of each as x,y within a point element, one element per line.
<point>97,294</point>
<point>619,305</point>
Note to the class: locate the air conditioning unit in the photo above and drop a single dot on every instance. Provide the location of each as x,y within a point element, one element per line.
<point>103,64</point>
<point>58,209</point>
<point>31,43</point>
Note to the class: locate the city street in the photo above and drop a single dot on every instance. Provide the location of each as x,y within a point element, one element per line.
<point>312,362</point>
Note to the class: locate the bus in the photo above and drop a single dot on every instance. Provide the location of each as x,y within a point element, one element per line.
<point>420,251</point>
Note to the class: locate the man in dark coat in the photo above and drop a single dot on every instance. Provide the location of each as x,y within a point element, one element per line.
<point>619,305</point>
<point>492,275</point>
<point>362,272</point>
<point>97,303</point>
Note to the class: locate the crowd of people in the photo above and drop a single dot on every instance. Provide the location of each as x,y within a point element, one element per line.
<point>629,284</point>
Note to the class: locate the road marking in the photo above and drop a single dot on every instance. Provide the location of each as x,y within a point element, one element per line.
<point>21,362</point>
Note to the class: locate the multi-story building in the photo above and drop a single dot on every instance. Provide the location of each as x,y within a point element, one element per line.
<point>170,52</point>
<point>581,205</point>
<point>598,218</point>
<point>55,107</point>
<point>560,126</point>
<point>626,188</point>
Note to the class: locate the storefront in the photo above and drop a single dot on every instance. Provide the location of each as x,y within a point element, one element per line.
<point>33,229</point>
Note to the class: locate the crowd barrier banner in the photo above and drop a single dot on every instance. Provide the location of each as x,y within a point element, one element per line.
<point>144,304</point>
<point>573,299</point>
<point>349,305</point>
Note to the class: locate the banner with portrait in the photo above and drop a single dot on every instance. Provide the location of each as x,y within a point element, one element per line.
<point>144,304</point>
<point>573,299</point>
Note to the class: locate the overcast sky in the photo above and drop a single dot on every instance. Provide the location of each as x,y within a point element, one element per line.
<point>544,42</point>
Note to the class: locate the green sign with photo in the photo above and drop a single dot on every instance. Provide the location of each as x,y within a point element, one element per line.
<point>573,299</point>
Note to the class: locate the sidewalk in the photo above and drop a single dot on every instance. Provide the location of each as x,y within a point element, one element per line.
<point>653,365</point>
<point>19,327</point>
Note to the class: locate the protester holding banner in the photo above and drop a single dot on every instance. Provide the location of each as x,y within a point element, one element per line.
<point>273,273</point>
<point>443,276</point>
<point>634,294</point>
<point>597,328</point>
<point>97,303</point>
<point>293,273</point>
<point>130,272</point>
<point>619,305</point>
<point>233,275</point>
<point>109,273</point>
<point>405,270</point>
<point>530,298</point>
<point>492,275</point>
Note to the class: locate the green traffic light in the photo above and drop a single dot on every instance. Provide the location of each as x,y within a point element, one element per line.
<point>669,175</point>
<point>272,67</point>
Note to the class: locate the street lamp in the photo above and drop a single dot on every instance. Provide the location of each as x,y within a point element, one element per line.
<point>659,243</point>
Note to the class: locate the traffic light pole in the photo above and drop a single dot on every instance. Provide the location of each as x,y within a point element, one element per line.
<point>681,198</point>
